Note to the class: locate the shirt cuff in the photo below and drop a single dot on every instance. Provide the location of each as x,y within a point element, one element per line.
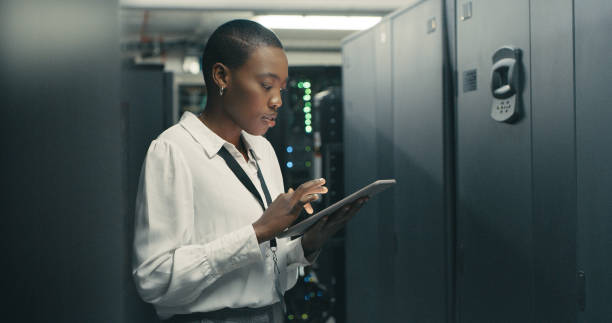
<point>295,253</point>
<point>234,250</point>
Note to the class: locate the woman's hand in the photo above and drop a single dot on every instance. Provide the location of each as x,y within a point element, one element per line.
<point>319,233</point>
<point>286,208</point>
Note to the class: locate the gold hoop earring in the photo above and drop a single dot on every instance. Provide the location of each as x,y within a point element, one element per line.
<point>221,91</point>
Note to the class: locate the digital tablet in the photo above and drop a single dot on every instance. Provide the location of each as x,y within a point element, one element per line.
<point>369,190</point>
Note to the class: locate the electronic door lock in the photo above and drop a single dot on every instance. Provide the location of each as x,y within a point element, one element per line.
<point>506,84</point>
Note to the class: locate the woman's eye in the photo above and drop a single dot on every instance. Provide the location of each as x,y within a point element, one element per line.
<point>266,86</point>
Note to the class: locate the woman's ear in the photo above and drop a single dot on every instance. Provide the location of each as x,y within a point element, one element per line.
<point>221,75</point>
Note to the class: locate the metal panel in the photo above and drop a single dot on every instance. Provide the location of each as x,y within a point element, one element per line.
<point>142,101</point>
<point>384,156</point>
<point>142,96</point>
<point>65,251</point>
<point>362,245</point>
<point>494,214</point>
<point>594,154</point>
<point>554,166</point>
<point>418,136</point>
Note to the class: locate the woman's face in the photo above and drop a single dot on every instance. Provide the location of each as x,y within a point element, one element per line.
<point>254,91</point>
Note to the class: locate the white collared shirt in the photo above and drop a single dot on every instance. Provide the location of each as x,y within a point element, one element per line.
<point>195,248</point>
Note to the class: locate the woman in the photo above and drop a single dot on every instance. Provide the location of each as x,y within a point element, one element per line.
<point>204,235</point>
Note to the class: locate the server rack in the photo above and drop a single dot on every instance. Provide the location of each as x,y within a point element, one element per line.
<point>398,113</point>
<point>521,224</point>
<point>421,111</point>
<point>494,191</point>
<point>553,151</point>
<point>361,239</point>
<point>593,76</point>
<point>532,192</point>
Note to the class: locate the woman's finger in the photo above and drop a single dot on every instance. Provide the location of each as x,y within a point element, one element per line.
<point>316,191</point>
<point>321,223</point>
<point>355,207</point>
<point>348,212</point>
<point>300,204</point>
<point>311,184</point>
<point>311,197</point>
<point>308,208</point>
<point>310,187</point>
<point>340,213</point>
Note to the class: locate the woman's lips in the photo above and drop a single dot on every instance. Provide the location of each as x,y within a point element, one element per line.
<point>270,120</point>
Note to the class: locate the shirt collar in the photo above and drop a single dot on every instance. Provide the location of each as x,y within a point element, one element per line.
<point>210,141</point>
<point>249,144</point>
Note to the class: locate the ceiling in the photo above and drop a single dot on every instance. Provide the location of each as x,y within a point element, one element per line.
<point>301,6</point>
<point>154,27</point>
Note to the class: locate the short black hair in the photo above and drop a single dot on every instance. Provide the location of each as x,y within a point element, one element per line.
<point>232,43</point>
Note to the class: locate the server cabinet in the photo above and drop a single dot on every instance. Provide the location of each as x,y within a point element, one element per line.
<point>553,161</point>
<point>494,191</point>
<point>420,114</point>
<point>144,116</point>
<point>396,76</point>
<point>142,97</point>
<point>516,184</point>
<point>593,46</point>
<point>387,247</point>
<point>360,167</point>
<point>533,189</point>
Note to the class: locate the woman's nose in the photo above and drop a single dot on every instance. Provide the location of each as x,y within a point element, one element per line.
<point>276,101</point>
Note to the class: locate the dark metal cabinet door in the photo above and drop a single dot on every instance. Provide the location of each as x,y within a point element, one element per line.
<point>494,214</point>
<point>384,157</point>
<point>362,243</point>
<point>554,165</point>
<point>593,45</point>
<point>418,136</point>
<point>142,98</point>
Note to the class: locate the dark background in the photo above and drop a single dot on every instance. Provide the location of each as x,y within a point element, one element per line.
<point>64,202</point>
<point>459,254</point>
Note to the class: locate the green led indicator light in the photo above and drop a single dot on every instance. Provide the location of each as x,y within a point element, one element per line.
<point>308,104</point>
<point>308,129</point>
<point>306,85</point>
<point>308,91</point>
<point>307,122</point>
<point>308,116</point>
<point>290,317</point>
<point>301,85</point>
<point>307,109</point>
<point>308,164</point>
<point>307,148</point>
<point>306,97</point>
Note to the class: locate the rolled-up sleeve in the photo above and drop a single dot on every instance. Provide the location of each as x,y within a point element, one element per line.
<point>168,268</point>
<point>295,259</point>
<point>292,249</point>
<point>295,254</point>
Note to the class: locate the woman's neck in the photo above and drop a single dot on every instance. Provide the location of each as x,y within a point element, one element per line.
<point>222,125</point>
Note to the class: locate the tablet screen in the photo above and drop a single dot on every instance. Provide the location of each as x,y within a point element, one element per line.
<point>368,190</point>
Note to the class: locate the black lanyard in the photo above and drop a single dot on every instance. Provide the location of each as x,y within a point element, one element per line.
<point>246,181</point>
